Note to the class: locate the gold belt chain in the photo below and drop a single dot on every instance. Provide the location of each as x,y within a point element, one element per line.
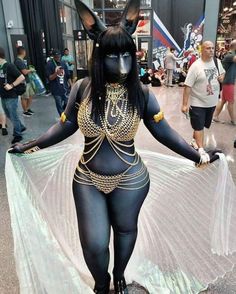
<point>107,183</point>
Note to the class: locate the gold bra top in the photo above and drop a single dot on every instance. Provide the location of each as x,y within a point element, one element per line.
<point>119,123</point>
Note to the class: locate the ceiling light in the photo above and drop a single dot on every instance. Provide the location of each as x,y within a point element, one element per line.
<point>226,9</point>
<point>231,8</point>
<point>234,4</point>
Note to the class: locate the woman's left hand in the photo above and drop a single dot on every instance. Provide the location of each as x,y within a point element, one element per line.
<point>208,157</point>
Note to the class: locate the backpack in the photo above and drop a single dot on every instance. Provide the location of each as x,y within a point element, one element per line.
<point>19,89</point>
<point>217,66</point>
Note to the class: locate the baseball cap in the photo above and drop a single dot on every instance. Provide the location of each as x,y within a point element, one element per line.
<point>56,52</point>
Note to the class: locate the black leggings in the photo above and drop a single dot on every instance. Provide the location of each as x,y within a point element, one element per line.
<point>96,214</point>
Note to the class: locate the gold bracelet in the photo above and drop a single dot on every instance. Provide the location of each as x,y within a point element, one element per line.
<point>159,116</point>
<point>31,150</point>
<point>63,117</point>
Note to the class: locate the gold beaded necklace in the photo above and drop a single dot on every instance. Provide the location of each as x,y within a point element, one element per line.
<point>119,123</point>
<point>114,96</point>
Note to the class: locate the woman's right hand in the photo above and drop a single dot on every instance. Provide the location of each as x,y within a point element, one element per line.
<point>16,148</point>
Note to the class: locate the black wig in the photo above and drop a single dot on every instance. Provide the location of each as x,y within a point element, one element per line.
<point>114,40</point>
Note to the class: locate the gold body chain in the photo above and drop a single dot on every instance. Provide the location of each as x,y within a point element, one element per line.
<point>118,125</point>
<point>107,183</point>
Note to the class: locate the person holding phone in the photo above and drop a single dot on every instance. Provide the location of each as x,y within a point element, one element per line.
<point>58,75</point>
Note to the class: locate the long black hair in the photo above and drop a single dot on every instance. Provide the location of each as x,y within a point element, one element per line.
<point>114,40</point>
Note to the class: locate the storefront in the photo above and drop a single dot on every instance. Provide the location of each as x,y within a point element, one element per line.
<point>162,24</point>
<point>69,21</point>
<point>227,24</point>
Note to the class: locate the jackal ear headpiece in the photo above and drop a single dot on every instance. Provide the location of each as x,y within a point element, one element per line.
<point>94,25</point>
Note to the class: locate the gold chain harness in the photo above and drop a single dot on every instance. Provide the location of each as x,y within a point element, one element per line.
<point>122,129</point>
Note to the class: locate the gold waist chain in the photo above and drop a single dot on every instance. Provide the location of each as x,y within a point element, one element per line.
<point>107,183</point>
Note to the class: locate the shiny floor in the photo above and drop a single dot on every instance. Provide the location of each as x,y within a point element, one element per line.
<point>221,135</point>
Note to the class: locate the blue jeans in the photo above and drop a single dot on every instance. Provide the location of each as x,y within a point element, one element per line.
<point>61,101</point>
<point>10,106</point>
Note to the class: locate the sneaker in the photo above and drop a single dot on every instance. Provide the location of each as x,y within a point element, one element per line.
<point>193,143</point>
<point>235,144</point>
<point>233,123</point>
<point>30,111</point>
<point>1,126</point>
<point>16,139</point>
<point>48,93</point>
<point>4,132</point>
<point>23,129</point>
<point>27,114</point>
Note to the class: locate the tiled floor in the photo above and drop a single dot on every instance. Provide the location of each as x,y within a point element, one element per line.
<point>170,101</point>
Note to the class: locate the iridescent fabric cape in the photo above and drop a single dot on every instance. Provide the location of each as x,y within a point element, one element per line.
<point>187,225</point>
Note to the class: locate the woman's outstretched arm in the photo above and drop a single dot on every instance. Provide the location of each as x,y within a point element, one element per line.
<point>160,129</point>
<point>66,127</point>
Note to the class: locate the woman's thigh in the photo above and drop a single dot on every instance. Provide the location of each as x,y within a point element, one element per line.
<point>93,217</point>
<point>124,207</point>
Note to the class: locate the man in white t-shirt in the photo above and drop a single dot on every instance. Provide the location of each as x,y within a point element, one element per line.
<point>201,92</point>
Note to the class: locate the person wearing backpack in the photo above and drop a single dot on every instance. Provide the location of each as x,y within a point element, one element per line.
<point>27,96</point>
<point>11,81</point>
<point>58,75</point>
<point>201,93</point>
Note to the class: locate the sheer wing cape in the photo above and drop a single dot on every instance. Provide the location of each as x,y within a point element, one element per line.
<point>187,225</point>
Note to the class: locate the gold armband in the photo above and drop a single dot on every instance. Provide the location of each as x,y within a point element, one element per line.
<point>158,117</point>
<point>63,117</point>
<point>31,150</point>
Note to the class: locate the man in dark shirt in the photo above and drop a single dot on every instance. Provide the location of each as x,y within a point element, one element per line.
<point>58,75</point>
<point>26,98</point>
<point>10,77</point>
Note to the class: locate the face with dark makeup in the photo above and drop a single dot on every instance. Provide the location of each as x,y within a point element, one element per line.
<point>117,67</point>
